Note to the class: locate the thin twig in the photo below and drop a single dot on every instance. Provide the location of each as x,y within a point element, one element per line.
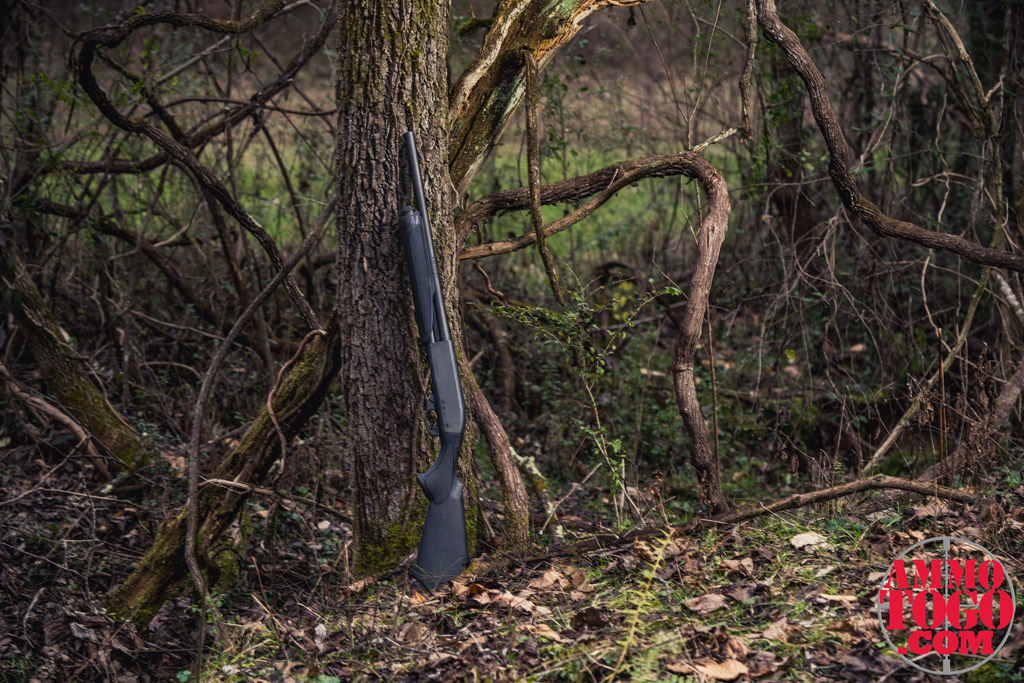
<point>603,541</point>
<point>284,498</point>
<point>533,172</point>
<point>204,395</point>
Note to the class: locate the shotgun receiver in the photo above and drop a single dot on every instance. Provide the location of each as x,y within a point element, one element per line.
<point>443,552</point>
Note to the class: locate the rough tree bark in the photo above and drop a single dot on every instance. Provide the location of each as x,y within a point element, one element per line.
<point>393,79</point>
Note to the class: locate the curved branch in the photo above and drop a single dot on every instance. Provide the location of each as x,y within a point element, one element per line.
<point>604,183</point>
<point>244,109</point>
<point>112,36</point>
<point>709,243</point>
<point>839,166</point>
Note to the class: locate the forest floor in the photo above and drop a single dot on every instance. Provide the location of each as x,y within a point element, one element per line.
<point>787,596</point>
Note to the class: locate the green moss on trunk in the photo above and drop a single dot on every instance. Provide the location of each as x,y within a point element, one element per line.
<point>67,374</point>
<point>162,568</point>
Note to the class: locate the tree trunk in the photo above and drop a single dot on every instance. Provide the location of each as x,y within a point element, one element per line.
<point>66,373</point>
<point>393,79</point>
<point>163,567</point>
<point>488,92</point>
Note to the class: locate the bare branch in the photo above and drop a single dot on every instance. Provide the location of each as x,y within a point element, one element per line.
<point>748,70</point>
<point>533,172</point>
<point>486,95</point>
<point>605,183</point>
<point>839,167</point>
<point>709,243</point>
<point>112,36</point>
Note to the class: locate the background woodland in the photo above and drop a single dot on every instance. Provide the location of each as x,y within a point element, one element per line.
<point>736,286</point>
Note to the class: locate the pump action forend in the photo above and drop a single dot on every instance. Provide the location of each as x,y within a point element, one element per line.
<point>443,551</point>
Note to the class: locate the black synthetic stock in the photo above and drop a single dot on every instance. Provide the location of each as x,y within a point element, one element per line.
<point>443,549</point>
<point>443,552</point>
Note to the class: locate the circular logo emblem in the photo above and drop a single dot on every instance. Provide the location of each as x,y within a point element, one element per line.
<point>946,605</point>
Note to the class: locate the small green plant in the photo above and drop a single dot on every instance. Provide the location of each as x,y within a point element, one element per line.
<point>574,332</point>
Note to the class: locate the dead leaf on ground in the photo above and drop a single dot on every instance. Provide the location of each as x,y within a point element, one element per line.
<point>545,631</point>
<point>679,667</point>
<point>849,601</point>
<point>590,617</point>
<point>743,566</point>
<point>856,628</point>
<point>935,510</point>
<point>744,593</point>
<point>729,670</point>
<point>735,647</point>
<point>482,599</point>
<point>707,603</point>
<point>779,630</point>
<point>520,603</point>
<point>762,663</point>
<point>809,541</point>
<point>411,632</point>
<point>909,537</point>
<point>550,579</point>
<point>644,553</point>
<point>580,581</point>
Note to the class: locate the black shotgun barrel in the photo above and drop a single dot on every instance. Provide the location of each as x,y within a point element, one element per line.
<point>443,550</point>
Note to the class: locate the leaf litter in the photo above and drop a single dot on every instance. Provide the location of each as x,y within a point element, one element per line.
<point>771,599</point>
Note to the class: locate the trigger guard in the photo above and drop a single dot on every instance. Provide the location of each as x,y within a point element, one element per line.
<point>432,429</point>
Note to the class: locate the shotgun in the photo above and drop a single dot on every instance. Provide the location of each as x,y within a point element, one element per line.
<point>443,551</point>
